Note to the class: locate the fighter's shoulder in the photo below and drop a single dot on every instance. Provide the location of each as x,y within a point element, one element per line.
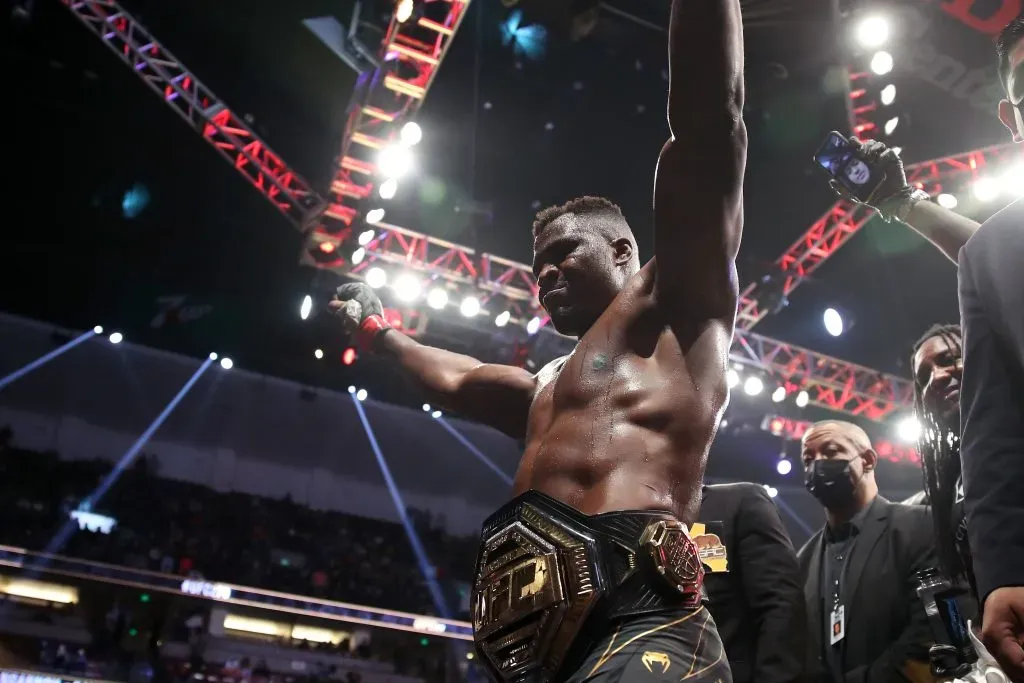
<point>738,490</point>
<point>550,371</point>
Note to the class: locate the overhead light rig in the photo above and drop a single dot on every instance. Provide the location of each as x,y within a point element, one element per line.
<point>413,48</point>
<point>200,108</point>
<point>844,219</point>
<point>794,430</point>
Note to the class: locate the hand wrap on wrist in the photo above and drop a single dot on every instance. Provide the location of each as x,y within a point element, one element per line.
<point>369,330</point>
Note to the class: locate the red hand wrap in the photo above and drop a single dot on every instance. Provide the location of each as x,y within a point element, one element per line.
<point>367,333</point>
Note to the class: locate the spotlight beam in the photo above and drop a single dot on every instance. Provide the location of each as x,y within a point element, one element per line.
<point>427,569</point>
<point>475,451</point>
<point>129,457</point>
<point>43,360</point>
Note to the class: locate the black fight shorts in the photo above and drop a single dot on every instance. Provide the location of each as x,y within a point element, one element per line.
<point>678,645</point>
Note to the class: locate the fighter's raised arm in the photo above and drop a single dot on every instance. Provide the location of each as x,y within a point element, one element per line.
<point>497,395</point>
<point>698,193</point>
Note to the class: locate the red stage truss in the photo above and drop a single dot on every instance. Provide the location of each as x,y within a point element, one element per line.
<point>203,110</point>
<point>844,219</point>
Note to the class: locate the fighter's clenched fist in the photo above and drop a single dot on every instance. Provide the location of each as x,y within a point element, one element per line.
<point>360,311</point>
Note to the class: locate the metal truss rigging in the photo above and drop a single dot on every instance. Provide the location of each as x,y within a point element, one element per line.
<point>200,108</point>
<point>844,219</point>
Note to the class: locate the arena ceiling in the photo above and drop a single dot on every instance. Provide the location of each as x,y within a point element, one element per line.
<point>500,128</point>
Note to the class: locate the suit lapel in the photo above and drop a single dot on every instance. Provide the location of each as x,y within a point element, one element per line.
<point>812,595</point>
<point>868,537</point>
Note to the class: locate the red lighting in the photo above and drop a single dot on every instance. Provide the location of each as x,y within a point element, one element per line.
<point>348,356</point>
<point>327,247</point>
<point>776,426</point>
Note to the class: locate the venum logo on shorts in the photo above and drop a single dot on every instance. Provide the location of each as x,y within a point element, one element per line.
<point>656,659</point>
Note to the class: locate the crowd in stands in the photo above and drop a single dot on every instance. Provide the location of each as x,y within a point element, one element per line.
<point>186,529</point>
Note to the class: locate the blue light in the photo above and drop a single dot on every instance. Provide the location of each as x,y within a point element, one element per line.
<point>525,40</point>
<point>135,200</point>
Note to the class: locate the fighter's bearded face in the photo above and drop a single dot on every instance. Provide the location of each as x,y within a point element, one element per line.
<point>938,368</point>
<point>580,266</point>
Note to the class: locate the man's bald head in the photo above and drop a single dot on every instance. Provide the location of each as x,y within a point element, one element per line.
<point>839,439</point>
<point>856,436</point>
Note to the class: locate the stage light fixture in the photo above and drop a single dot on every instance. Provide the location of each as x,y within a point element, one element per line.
<point>732,378</point>
<point>470,306</point>
<point>358,255</point>
<point>802,399</point>
<point>437,298</point>
<point>881,63</point>
<point>426,407</point>
<point>890,125</point>
<point>771,491</point>
<point>436,414</point>
<point>833,321</point>
<point>361,395</point>
<point>318,354</point>
<point>98,329</point>
<point>394,161</point>
<point>403,10</point>
<point>784,466</point>
<point>227,363</point>
<point>502,318</point>
<point>116,338</point>
<point>410,134</point>
<point>872,31</point>
<point>374,216</point>
<point>365,237</point>
<point>328,247</point>
<point>753,385</point>
<point>388,189</point>
<point>533,326</point>
<point>376,277</point>
<point>1013,180</point>
<point>348,356</point>
<point>306,307</point>
<point>909,429</point>
<point>888,94</point>
<point>351,389</point>
<point>407,287</point>
<point>985,189</point>
<point>779,395</point>
<point>947,201</point>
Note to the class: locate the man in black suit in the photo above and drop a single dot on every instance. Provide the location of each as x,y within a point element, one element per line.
<point>992,395</point>
<point>752,580</point>
<point>865,622</point>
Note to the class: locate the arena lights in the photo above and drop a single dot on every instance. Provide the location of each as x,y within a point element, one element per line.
<point>426,407</point>
<point>394,161</point>
<point>365,237</point>
<point>947,201</point>
<point>833,321</point>
<point>403,10</point>
<point>470,306</point>
<point>213,356</point>
<point>732,378</point>
<point>784,466</point>
<point>358,255</point>
<point>361,395</point>
<point>888,95</point>
<point>802,398</point>
<point>374,216</point>
<point>436,414</point>
<point>388,189</point>
<point>116,338</point>
<point>779,395</point>
<point>872,31</point>
<point>227,363</point>
<point>410,134</point>
<point>753,385</point>
<point>771,491</point>
<point>376,277</point>
<point>437,298</point>
<point>318,354</point>
<point>349,356</point>
<point>407,288</point>
<point>890,125</point>
<point>533,326</point>
<point>98,329</point>
<point>503,318</point>
<point>909,429</point>
<point>881,63</point>
<point>306,307</point>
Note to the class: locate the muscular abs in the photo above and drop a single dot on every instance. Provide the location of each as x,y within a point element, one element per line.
<point>625,422</point>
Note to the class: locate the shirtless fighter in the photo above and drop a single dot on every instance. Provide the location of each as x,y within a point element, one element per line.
<point>589,572</point>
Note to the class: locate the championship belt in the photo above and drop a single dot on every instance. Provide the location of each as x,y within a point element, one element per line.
<point>549,579</point>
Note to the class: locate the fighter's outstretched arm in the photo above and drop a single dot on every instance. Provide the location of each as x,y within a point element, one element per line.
<point>698,189</point>
<point>497,395</point>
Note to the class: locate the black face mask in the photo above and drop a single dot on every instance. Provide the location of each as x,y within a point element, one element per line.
<point>830,481</point>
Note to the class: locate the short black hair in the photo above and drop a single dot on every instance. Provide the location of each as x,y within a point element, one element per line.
<point>1011,34</point>
<point>580,205</point>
